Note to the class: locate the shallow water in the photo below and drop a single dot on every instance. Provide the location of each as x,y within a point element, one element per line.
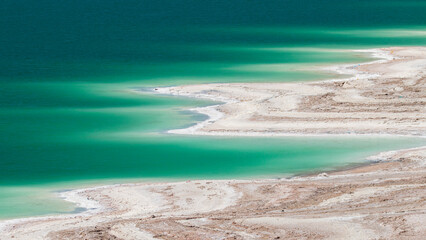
<point>69,115</point>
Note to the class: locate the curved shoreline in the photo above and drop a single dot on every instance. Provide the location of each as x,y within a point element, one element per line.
<point>354,199</point>
<point>164,201</point>
<point>230,117</point>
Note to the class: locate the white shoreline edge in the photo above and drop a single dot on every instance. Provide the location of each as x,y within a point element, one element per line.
<point>74,196</point>
<point>93,207</point>
<point>214,114</point>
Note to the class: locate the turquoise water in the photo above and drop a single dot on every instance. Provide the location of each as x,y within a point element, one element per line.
<point>69,115</point>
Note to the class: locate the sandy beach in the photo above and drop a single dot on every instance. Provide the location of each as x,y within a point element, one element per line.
<point>383,200</point>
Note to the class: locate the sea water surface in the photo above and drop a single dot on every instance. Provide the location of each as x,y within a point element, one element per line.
<point>70,115</point>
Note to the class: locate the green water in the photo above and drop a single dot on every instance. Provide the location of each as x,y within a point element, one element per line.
<point>69,115</point>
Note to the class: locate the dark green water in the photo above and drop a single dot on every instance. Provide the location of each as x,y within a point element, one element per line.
<point>68,116</point>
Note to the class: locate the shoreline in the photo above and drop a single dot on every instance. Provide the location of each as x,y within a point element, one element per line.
<point>107,208</point>
<point>249,110</point>
<point>214,114</point>
<point>363,201</point>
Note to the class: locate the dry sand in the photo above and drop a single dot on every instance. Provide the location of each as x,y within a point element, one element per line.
<point>384,200</point>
